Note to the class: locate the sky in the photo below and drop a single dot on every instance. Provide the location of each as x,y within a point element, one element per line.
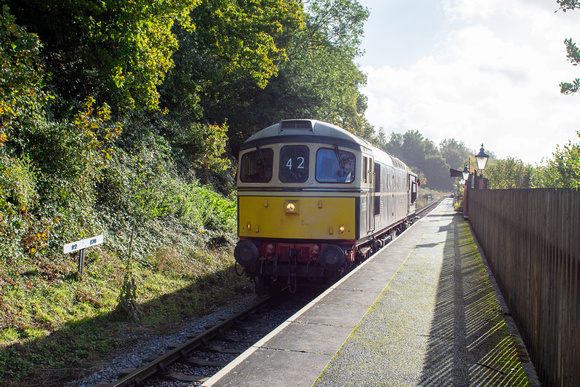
<point>478,71</point>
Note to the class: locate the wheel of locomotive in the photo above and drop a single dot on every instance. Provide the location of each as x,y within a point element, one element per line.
<point>376,245</point>
<point>331,257</point>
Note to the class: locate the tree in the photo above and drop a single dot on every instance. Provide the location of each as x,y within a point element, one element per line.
<point>315,78</point>
<point>115,52</point>
<point>325,58</point>
<point>563,171</point>
<point>436,172</point>
<point>21,100</point>
<point>222,67</point>
<point>572,51</point>
<point>22,77</point>
<point>510,173</point>
<point>413,149</point>
<point>395,145</point>
<point>456,154</point>
<point>423,156</point>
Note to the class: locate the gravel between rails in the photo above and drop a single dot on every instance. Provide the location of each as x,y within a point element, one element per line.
<point>148,345</point>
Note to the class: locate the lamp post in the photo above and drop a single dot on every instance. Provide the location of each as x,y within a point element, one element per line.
<point>472,180</point>
<point>481,159</point>
<point>465,173</point>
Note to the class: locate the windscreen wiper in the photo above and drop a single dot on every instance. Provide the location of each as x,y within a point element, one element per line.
<point>337,154</point>
<point>261,156</point>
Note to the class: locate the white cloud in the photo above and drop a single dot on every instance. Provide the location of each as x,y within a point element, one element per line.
<point>467,9</point>
<point>492,79</point>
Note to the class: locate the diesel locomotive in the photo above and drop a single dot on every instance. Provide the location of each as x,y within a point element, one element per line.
<point>314,200</point>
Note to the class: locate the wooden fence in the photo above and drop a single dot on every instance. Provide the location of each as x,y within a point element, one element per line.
<point>531,239</point>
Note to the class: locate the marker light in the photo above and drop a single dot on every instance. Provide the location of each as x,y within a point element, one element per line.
<point>341,229</point>
<point>291,207</point>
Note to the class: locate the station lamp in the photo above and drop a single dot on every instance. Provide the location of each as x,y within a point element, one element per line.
<point>481,159</point>
<point>465,173</point>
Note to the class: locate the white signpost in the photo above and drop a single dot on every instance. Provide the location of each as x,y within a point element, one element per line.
<point>80,246</point>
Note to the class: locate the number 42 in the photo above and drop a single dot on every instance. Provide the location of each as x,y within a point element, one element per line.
<point>300,163</point>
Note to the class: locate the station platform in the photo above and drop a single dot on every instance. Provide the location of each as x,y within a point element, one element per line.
<point>422,311</point>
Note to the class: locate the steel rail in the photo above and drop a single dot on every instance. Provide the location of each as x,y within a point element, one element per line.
<point>161,363</point>
<point>423,209</point>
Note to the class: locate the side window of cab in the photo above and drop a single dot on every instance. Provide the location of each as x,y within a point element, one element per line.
<point>256,166</point>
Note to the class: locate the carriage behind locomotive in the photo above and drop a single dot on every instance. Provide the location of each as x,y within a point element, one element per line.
<point>314,200</point>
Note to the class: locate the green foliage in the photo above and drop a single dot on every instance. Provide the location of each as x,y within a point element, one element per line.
<point>338,24</point>
<point>572,51</point>
<point>510,173</point>
<point>232,42</point>
<point>436,171</point>
<point>119,51</point>
<point>456,154</point>
<point>51,322</point>
<point>17,184</point>
<point>141,34</point>
<point>573,55</point>
<point>205,146</point>
<point>223,67</point>
<point>242,36</point>
<point>217,213</point>
<point>143,181</point>
<point>319,80</point>
<point>324,84</point>
<point>568,4</point>
<point>21,75</point>
<point>431,162</point>
<point>127,302</point>
<point>76,150</point>
<point>322,66</point>
<point>393,144</point>
<point>562,171</point>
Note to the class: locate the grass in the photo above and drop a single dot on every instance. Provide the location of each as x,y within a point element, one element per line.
<point>56,325</point>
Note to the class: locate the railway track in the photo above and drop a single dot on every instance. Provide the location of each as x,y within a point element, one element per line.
<point>194,361</point>
<point>421,212</point>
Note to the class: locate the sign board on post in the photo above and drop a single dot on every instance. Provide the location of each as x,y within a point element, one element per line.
<point>80,246</point>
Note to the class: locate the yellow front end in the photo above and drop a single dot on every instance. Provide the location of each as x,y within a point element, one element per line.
<point>316,218</point>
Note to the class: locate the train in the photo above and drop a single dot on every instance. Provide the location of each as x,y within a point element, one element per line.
<point>315,200</point>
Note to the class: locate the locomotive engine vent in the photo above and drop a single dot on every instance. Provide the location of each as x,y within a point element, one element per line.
<point>296,124</point>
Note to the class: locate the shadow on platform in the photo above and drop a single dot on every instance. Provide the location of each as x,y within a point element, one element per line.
<point>469,342</point>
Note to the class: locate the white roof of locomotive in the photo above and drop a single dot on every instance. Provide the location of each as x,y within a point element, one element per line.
<point>305,127</point>
<point>311,127</point>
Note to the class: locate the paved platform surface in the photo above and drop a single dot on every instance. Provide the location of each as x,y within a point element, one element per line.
<point>422,311</point>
